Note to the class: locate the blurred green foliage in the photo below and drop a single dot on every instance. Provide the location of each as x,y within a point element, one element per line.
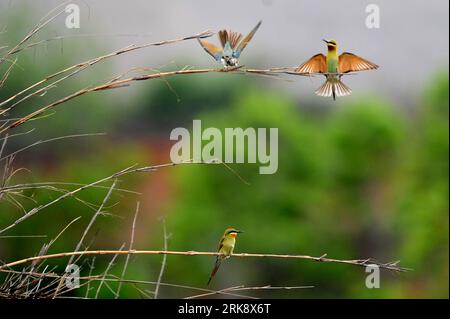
<point>44,54</point>
<point>367,178</point>
<point>361,180</point>
<point>364,181</point>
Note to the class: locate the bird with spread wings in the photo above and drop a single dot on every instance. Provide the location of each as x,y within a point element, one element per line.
<point>232,45</point>
<point>334,66</point>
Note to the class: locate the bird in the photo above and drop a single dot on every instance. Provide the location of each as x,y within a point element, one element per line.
<point>226,247</point>
<point>334,66</point>
<point>232,46</point>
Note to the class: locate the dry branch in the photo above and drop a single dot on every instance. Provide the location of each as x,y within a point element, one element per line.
<point>128,170</point>
<point>117,83</point>
<point>356,262</point>
<point>163,264</point>
<point>76,68</point>
<point>243,288</point>
<point>92,221</point>
<point>111,278</point>
<point>44,21</point>
<point>127,260</point>
<point>36,209</point>
<point>105,274</point>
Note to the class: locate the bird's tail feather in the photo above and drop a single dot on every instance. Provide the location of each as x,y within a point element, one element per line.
<point>215,269</point>
<point>333,87</point>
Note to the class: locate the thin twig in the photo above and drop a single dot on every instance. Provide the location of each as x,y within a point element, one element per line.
<point>107,270</point>
<point>48,186</point>
<point>8,71</point>
<point>51,140</point>
<point>243,288</point>
<point>93,219</point>
<point>62,231</point>
<point>112,278</point>
<point>91,269</point>
<point>72,36</point>
<point>44,21</point>
<point>76,68</point>
<point>130,248</point>
<point>24,236</point>
<point>163,264</point>
<point>218,292</point>
<point>123,172</point>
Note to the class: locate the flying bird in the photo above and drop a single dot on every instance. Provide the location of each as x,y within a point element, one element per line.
<point>226,247</point>
<point>232,46</point>
<point>334,66</point>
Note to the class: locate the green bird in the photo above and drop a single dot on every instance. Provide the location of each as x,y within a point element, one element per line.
<point>333,66</point>
<point>226,247</point>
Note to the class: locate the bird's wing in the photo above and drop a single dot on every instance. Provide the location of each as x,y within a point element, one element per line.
<point>317,64</point>
<point>349,62</point>
<point>213,50</point>
<point>239,48</point>
<point>223,37</point>
<point>234,38</point>
<point>229,40</point>
<point>220,244</point>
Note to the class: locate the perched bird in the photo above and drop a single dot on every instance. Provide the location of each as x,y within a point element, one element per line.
<point>333,66</point>
<point>226,247</point>
<point>232,46</point>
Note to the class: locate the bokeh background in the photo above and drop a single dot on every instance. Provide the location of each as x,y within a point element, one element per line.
<point>365,176</point>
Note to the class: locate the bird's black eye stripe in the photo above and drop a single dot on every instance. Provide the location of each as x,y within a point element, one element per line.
<point>232,231</point>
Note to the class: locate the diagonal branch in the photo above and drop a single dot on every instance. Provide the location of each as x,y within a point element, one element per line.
<point>92,221</point>
<point>128,170</point>
<point>127,260</point>
<point>76,68</point>
<point>163,264</point>
<point>125,82</point>
<point>44,21</point>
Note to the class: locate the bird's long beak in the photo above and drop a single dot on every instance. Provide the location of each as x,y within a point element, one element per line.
<point>239,231</point>
<point>326,41</point>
